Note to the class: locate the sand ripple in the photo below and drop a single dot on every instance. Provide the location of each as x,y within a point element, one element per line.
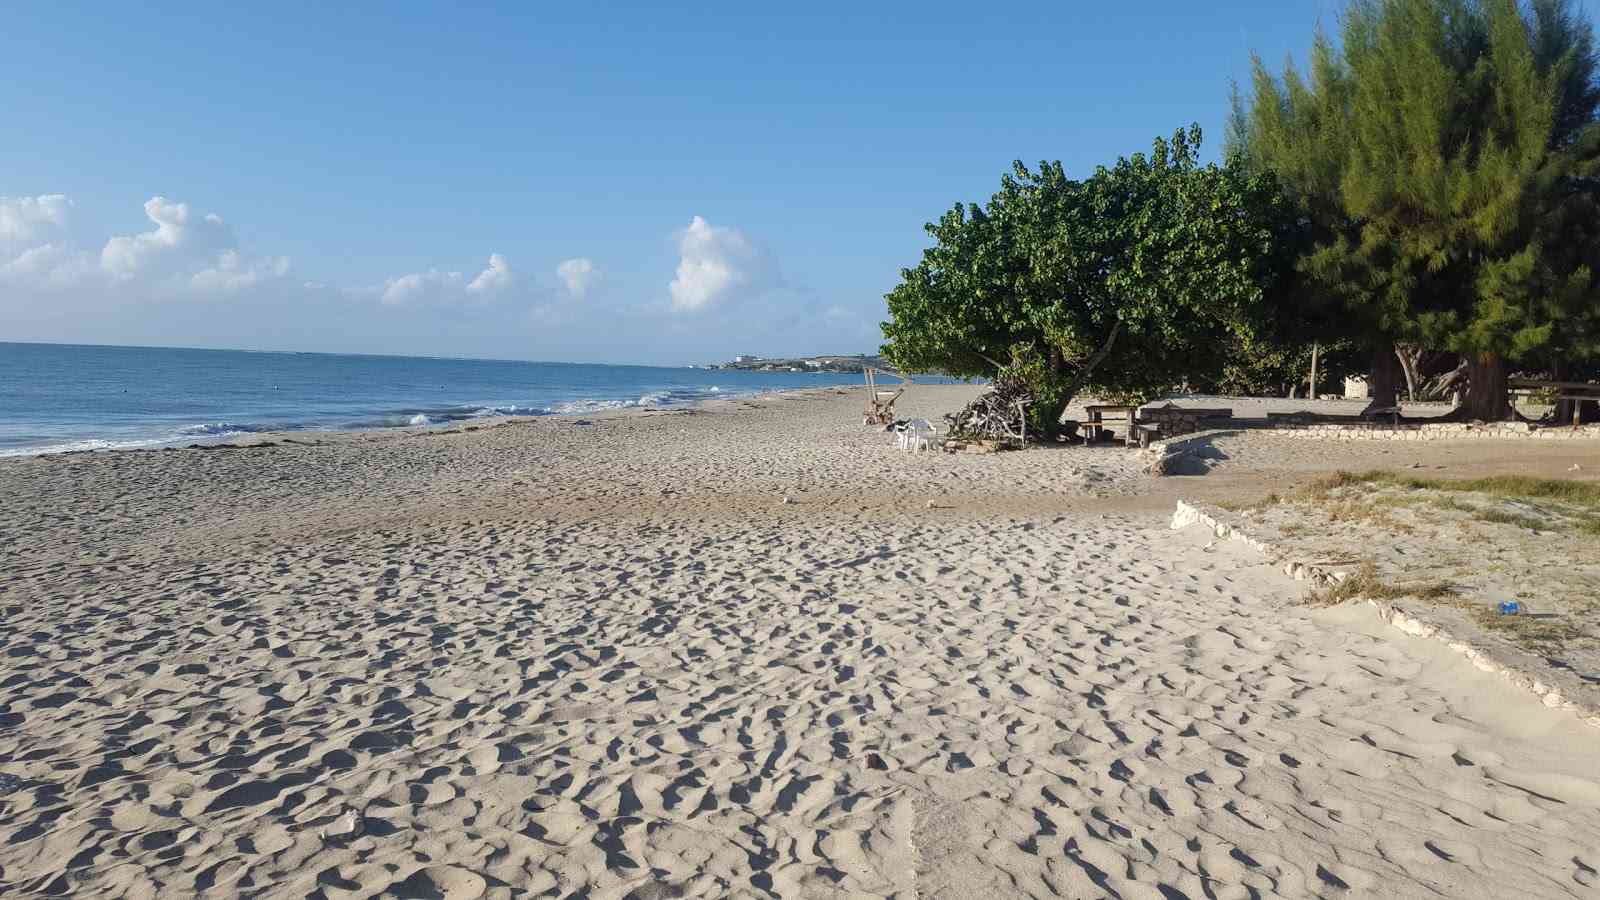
<point>1008,708</point>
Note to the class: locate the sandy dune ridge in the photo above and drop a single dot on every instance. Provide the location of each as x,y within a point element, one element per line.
<point>400,667</point>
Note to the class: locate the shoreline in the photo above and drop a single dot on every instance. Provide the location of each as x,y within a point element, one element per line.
<point>1250,406</point>
<point>311,435</point>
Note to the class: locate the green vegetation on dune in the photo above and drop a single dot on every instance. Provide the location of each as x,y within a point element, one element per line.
<point>1544,504</point>
<point>1512,487</point>
<point>1446,570</point>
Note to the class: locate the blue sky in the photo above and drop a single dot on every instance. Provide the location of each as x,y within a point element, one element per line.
<point>654,185</point>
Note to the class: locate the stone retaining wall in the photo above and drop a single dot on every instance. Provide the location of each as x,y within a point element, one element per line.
<point>1160,455</point>
<point>1411,623</point>
<point>1173,421</point>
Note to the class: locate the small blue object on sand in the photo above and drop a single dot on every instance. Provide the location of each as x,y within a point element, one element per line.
<point>1510,608</point>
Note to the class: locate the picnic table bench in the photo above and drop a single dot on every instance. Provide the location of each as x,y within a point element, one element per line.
<point>1100,415</point>
<point>1144,432</point>
<point>1146,423</point>
<point>1575,391</point>
<point>1393,412</point>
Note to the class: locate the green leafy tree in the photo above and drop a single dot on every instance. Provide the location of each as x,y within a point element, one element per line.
<point>1277,367</point>
<point>1123,283</point>
<point>1443,159</point>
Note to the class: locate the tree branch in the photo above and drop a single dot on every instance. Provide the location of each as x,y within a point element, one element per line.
<point>1095,360</point>
<point>988,360</point>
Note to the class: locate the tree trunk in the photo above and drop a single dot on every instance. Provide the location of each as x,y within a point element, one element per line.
<point>1410,356</point>
<point>1082,378</point>
<point>1384,383</point>
<point>1044,418</point>
<point>1047,415</point>
<point>1486,397</point>
<point>1563,411</point>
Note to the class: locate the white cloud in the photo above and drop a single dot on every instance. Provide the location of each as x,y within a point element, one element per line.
<point>579,275</point>
<point>403,289</point>
<point>184,254</point>
<point>717,264</point>
<point>26,218</point>
<point>434,286</point>
<point>497,277</point>
<point>52,266</point>
<point>178,238</point>
<point>233,273</point>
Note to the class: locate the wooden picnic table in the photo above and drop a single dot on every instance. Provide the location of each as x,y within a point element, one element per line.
<point>1101,413</point>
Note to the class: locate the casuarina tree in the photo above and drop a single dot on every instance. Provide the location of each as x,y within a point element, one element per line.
<point>1444,157</point>
<point>1123,283</point>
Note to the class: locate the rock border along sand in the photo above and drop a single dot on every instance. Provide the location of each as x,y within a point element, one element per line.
<point>1433,431</point>
<point>1550,695</point>
<point>1160,456</point>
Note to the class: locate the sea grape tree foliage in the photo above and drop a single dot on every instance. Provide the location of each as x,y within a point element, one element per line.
<point>1444,157</point>
<point>1273,365</point>
<point>1123,283</point>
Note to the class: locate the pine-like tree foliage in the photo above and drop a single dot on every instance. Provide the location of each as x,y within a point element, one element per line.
<point>1443,158</point>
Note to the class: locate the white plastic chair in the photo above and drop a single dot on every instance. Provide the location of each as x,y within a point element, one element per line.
<point>918,434</point>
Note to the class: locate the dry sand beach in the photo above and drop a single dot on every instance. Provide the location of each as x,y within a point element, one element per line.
<point>751,650</point>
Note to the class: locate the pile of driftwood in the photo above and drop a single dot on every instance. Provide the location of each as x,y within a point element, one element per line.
<point>997,415</point>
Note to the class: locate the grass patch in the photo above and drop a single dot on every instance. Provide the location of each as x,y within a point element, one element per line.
<point>1511,487</point>
<point>1501,517</point>
<point>1374,514</point>
<point>1247,505</point>
<point>1577,502</point>
<point>1366,584</point>
<point>1537,633</point>
<point>1543,634</point>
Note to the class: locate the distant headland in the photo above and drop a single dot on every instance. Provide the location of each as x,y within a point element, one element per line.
<point>802,363</point>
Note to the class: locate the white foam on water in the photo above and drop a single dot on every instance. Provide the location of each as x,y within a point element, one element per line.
<point>219,429</point>
<point>84,446</point>
<point>588,406</point>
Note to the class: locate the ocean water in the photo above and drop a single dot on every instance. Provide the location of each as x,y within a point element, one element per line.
<point>56,397</point>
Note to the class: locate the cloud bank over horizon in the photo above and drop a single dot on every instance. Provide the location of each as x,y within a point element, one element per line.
<point>184,254</point>
<point>444,287</point>
<point>186,279</point>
